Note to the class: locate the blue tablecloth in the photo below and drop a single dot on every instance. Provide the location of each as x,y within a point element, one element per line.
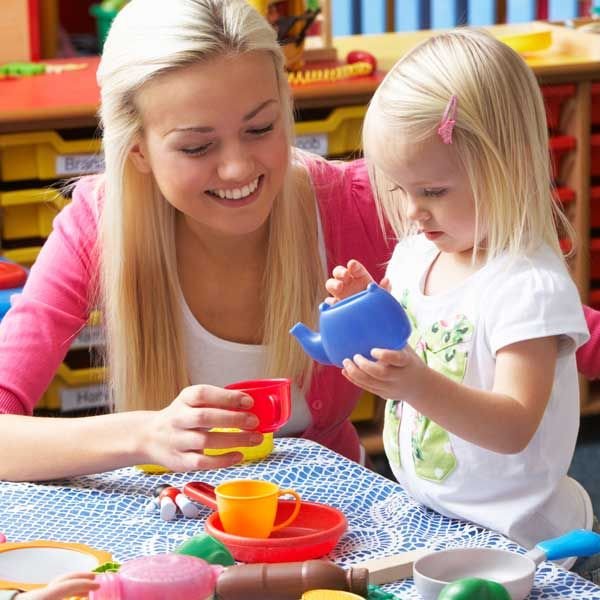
<point>106,511</point>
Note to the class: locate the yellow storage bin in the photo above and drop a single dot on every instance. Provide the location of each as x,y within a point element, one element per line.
<point>46,155</point>
<point>23,256</point>
<point>338,134</point>
<point>365,409</point>
<point>29,213</point>
<point>75,389</point>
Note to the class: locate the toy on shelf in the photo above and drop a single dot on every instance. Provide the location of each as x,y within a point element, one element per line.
<point>359,64</point>
<point>29,69</point>
<point>168,499</point>
<point>12,280</point>
<point>370,319</point>
<point>157,577</point>
<point>303,29</point>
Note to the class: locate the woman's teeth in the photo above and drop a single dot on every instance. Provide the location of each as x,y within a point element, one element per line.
<point>237,193</point>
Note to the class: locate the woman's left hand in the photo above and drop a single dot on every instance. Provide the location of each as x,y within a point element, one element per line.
<point>394,374</point>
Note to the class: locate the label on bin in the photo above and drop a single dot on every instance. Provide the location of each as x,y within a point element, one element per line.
<point>79,164</point>
<point>317,143</point>
<point>90,335</point>
<point>89,396</point>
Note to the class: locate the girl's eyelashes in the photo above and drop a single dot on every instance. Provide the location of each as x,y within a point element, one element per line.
<point>261,130</point>
<point>434,192</point>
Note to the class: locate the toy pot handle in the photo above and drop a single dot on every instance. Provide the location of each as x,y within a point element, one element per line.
<point>294,512</point>
<point>201,492</point>
<point>579,542</point>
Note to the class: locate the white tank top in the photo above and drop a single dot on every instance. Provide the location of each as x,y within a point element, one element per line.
<point>214,361</point>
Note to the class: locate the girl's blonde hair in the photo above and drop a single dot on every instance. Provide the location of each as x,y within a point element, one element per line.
<point>500,136</point>
<point>139,289</point>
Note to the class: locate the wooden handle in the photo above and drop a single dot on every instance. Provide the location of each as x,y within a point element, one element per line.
<point>392,568</point>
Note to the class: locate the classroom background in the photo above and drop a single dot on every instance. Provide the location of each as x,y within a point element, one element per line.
<point>48,132</point>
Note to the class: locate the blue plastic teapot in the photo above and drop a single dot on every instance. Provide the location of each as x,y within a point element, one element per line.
<point>370,319</point>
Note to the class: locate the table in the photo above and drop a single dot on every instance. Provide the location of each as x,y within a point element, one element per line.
<point>106,511</point>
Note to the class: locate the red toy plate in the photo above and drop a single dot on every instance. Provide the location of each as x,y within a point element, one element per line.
<point>313,534</point>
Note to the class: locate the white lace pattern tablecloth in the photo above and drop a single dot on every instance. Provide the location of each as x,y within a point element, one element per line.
<point>106,511</point>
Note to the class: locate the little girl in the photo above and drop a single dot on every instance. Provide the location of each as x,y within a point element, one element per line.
<point>483,408</point>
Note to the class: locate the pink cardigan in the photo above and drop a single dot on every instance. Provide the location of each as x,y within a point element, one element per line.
<point>37,332</point>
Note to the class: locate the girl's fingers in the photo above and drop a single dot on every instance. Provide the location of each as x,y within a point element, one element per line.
<point>395,358</point>
<point>340,273</point>
<point>386,284</point>
<point>78,584</point>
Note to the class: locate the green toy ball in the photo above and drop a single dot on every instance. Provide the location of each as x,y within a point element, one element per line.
<point>473,588</point>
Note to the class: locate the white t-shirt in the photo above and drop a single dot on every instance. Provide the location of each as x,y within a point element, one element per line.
<point>525,496</point>
<point>214,361</point>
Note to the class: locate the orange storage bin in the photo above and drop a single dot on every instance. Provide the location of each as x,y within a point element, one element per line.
<point>595,104</point>
<point>595,161</point>
<point>560,145</point>
<point>595,258</point>
<point>555,97</point>
<point>595,207</point>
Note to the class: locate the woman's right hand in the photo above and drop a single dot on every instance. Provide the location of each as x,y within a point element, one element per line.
<point>349,280</point>
<point>176,436</point>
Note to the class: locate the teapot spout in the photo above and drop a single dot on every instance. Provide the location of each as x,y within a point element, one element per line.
<point>311,342</point>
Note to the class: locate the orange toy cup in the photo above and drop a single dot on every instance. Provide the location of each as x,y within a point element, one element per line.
<point>272,401</point>
<point>247,507</point>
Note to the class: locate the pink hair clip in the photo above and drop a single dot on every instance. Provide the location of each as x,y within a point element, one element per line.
<point>448,120</point>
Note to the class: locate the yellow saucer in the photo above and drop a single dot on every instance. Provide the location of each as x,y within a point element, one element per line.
<point>528,42</point>
<point>330,595</point>
<point>249,453</point>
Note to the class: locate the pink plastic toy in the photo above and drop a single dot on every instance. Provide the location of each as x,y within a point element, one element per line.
<point>173,576</point>
<point>2,538</point>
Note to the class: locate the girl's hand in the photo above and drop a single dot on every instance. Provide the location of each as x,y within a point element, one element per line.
<point>176,436</point>
<point>395,374</point>
<point>349,280</point>
<point>75,584</point>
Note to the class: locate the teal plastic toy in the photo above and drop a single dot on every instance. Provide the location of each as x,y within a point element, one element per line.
<point>208,548</point>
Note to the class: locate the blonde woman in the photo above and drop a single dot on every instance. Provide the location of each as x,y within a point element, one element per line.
<point>483,408</point>
<point>205,240</point>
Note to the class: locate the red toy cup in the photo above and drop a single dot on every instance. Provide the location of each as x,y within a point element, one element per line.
<point>272,401</point>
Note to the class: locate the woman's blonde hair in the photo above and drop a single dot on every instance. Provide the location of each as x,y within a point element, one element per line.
<point>500,136</point>
<point>139,289</point>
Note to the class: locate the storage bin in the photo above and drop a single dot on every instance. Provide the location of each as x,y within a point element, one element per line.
<point>555,97</point>
<point>29,213</point>
<point>594,298</point>
<point>93,334</point>
<point>566,197</point>
<point>24,256</point>
<point>595,207</point>
<point>595,152</point>
<point>595,104</point>
<point>365,409</point>
<point>46,155</point>
<point>595,258</point>
<point>339,134</point>
<point>560,145</point>
<point>75,390</point>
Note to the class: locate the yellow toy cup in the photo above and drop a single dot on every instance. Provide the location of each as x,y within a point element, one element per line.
<point>247,507</point>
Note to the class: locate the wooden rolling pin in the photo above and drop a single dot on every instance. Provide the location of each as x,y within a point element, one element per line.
<point>391,568</point>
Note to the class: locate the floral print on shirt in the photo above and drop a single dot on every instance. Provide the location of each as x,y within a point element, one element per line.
<point>443,346</point>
